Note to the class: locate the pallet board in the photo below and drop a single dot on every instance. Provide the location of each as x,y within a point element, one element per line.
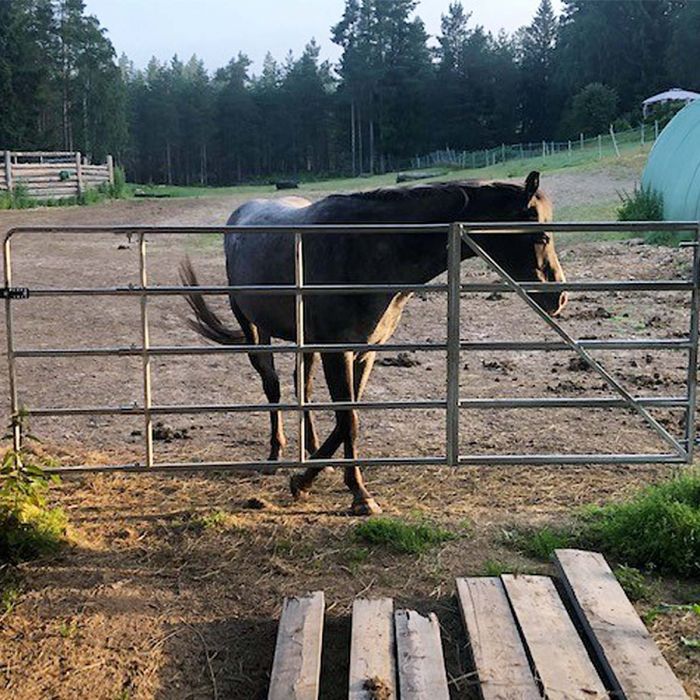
<point>524,641</point>
<point>420,661</point>
<point>632,661</point>
<point>373,650</point>
<point>500,660</point>
<point>296,669</point>
<point>558,654</point>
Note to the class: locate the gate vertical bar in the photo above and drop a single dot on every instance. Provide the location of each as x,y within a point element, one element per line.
<point>11,361</point>
<point>299,318</point>
<point>454,259</point>
<point>146,354</point>
<point>693,352</point>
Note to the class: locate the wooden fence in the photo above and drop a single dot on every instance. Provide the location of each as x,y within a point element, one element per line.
<point>53,174</point>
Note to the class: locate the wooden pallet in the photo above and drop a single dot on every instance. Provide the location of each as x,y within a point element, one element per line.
<point>524,642</point>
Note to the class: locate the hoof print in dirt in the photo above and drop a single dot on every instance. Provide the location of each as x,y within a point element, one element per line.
<point>403,359</point>
<point>167,434</point>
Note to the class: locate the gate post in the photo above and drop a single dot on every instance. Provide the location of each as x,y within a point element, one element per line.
<point>145,353</point>
<point>14,401</point>
<point>299,319</point>
<point>693,352</point>
<point>454,259</point>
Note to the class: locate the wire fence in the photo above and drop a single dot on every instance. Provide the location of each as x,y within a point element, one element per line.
<point>572,151</point>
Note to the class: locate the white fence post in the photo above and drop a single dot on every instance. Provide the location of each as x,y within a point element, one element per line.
<point>8,170</point>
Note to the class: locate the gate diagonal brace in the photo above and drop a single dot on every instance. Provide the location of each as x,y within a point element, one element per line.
<point>609,379</point>
<point>14,293</point>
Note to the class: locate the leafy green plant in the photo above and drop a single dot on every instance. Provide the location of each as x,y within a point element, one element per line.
<point>538,543</point>
<point>27,527</point>
<point>644,204</point>
<point>658,529</point>
<point>118,190</point>
<point>633,582</point>
<point>402,537</point>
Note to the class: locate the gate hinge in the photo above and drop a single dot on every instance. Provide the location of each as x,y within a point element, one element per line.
<point>14,292</point>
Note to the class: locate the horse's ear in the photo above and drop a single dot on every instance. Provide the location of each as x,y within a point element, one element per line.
<point>532,184</point>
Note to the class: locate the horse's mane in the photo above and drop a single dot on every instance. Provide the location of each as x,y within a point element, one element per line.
<point>463,187</point>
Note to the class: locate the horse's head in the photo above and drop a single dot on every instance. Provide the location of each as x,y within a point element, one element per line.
<point>528,257</point>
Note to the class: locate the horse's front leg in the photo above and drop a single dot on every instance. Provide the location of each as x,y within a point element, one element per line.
<point>344,385</point>
<point>346,380</point>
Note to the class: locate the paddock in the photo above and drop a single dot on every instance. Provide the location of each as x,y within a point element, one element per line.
<point>48,175</point>
<point>160,603</point>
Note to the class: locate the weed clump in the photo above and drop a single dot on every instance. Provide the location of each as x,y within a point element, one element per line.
<point>28,528</point>
<point>658,529</point>
<point>402,537</point>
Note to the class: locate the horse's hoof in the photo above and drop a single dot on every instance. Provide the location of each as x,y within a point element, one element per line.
<point>367,506</point>
<point>298,487</point>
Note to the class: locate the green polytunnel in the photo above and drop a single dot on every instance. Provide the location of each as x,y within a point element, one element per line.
<point>673,168</point>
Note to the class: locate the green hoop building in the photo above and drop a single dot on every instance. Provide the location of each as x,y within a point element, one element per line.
<point>673,168</point>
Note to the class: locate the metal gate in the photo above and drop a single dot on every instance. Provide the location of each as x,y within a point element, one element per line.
<point>680,449</point>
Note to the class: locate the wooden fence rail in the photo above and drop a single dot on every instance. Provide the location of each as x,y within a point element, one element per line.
<point>53,174</point>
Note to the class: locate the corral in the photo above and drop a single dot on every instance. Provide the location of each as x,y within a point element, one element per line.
<point>172,582</point>
<point>47,175</point>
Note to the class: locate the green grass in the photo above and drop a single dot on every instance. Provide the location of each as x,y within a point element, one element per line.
<point>633,582</point>
<point>658,529</point>
<point>30,532</point>
<point>400,536</point>
<point>538,543</point>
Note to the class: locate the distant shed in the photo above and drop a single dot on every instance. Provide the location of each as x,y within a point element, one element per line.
<point>673,168</point>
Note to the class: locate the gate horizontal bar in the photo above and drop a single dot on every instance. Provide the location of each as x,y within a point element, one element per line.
<point>505,227</point>
<point>421,404</point>
<point>473,460</point>
<point>477,346</point>
<point>340,289</point>
<point>576,402</point>
<point>136,410</point>
<point>536,459</point>
<point>252,466</point>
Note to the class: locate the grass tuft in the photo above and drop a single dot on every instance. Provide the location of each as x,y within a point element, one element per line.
<point>658,529</point>
<point>538,543</point>
<point>633,582</point>
<point>30,531</point>
<point>402,537</point>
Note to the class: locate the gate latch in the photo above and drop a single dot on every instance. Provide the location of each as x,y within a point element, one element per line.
<point>14,293</point>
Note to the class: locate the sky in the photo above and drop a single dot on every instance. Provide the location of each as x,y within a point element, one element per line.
<point>216,30</point>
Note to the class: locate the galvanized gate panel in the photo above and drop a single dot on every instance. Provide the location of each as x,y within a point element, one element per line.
<point>457,234</point>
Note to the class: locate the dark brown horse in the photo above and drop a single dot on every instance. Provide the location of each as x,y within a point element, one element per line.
<point>349,258</point>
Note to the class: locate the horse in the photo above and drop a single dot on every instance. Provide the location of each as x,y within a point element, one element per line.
<point>351,258</point>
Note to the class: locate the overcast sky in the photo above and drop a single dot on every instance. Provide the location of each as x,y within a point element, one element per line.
<point>216,30</point>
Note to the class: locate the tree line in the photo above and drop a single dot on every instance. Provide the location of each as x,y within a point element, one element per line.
<point>395,93</point>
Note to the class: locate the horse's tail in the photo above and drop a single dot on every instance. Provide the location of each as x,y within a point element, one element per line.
<point>205,321</point>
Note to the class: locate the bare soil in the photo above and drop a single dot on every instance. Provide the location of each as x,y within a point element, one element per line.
<point>153,599</point>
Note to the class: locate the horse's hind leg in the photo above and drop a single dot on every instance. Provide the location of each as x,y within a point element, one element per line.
<point>264,365</point>
<point>311,437</point>
<point>363,503</point>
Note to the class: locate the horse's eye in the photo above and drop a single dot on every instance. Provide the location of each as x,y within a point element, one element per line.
<point>542,239</point>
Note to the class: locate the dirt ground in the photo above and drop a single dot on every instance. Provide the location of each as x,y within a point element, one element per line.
<point>154,600</point>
